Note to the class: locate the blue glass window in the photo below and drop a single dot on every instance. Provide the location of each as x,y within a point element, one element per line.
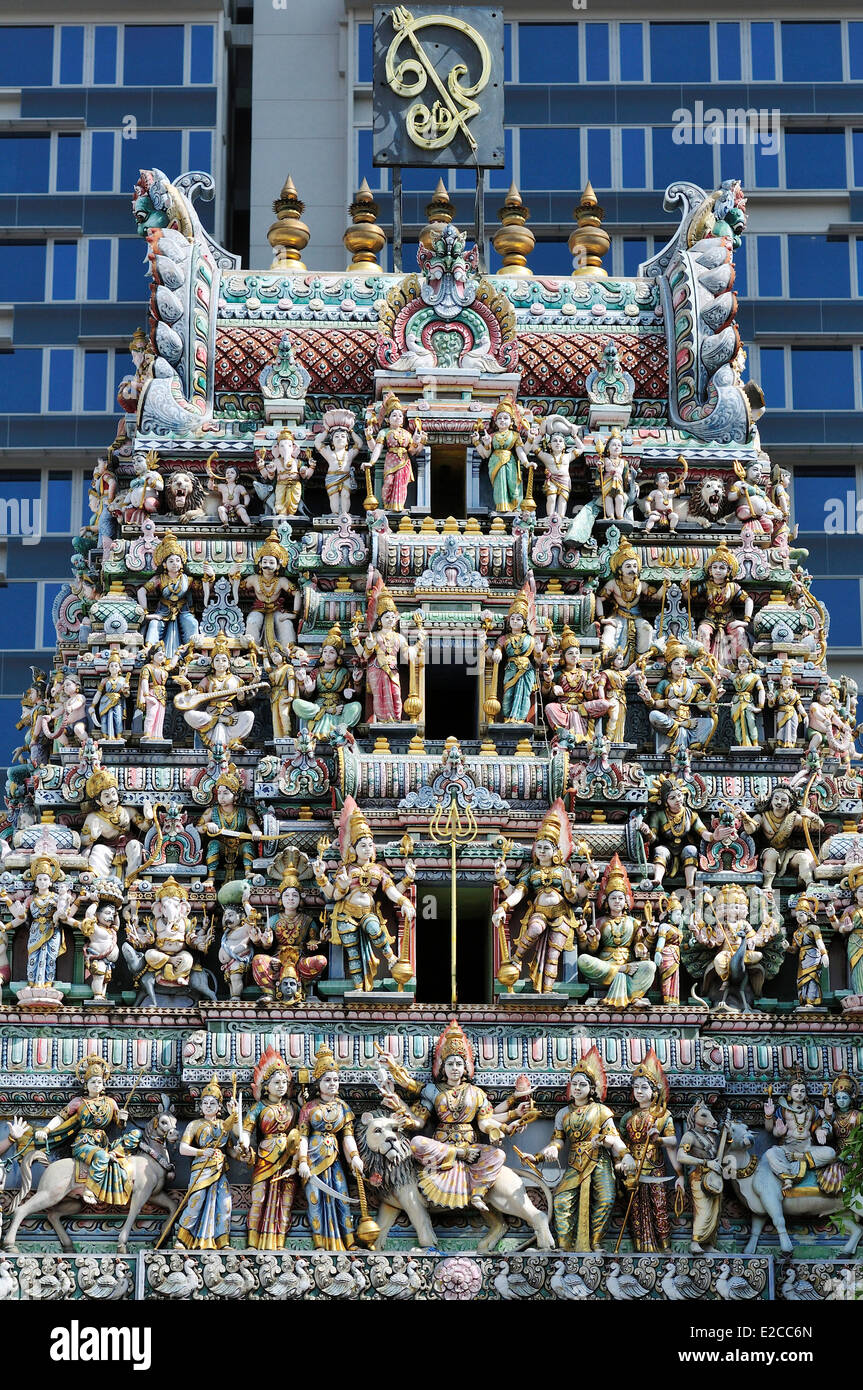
<point>60,379</point>
<point>10,712</point>
<point>495,178</point>
<point>816,492</point>
<point>49,631</point>
<point>822,378</point>
<point>153,55</point>
<point>672,162</point>
<point>105,54</point>
<point>740,285</point>
<point>769,265</point>
<point>815,158</point>
<point>507,53</point>
<point>857,148</point>
<point>728,52</point>
<point>818,268</point>
<point>634,254</point>
<point>99,268</point>
<point>731,161</point>
<point>811,52</point>
<point>200,150</point>
<point>548,53</point>
<point>102,161</point>
<point>21,381</point>
<point>65,270</point>
<point>95,380</point>
<point>631,53</point>
<point>678,51</point>
<point>22,271</point>
<point>365,168</point>
<point>68,163</point>
<point>632,154</point>
<point>153,149</point>
<point>59,508</point>
<point>860,266</point>
<point>365,52</point>
<point>551,258</point>
<point>72,53</point>
<point>201,59</point>
<point>772,377</point>
<point>549,158</point>
<point>599,158</point>
<point>420,180</point>
<point>596,52</point>
<point>24,162</point>
<point>766,161</point>
<point>763,44</point>
<point>26,55</point>
<point>19,617</point>
<point>855,51</point>
<point>841,598</point>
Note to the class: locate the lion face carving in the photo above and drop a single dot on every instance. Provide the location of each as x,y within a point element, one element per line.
<point>183,496</point>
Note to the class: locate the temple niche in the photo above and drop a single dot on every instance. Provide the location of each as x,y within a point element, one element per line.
<point>439,760</point>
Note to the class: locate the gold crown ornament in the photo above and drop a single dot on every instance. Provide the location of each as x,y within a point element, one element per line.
<point>334,638</point>
<point>273,547</point>
<point>324,1061</point>
<point>168,545</point>
<point>568,639</point>
<point>651,1070</point>
<point>44,864</point>
<point>453,1042</point>
<point>213,1089</point>
<point>591,1066</point>
<point>171,889</point>
<point>723,554</point>
<point>844,1082</point>
<point>623,553</point>
<point>269,1063</point>
<point>99,781</point>
<point>90,1064</point>
<point>231,779</point>
<point>615,880</point>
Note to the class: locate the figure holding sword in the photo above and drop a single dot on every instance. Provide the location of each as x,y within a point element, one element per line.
<point>326,1128</point>
<point>203,1218</point>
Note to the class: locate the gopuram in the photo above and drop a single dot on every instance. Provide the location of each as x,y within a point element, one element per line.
<point>432,868</point>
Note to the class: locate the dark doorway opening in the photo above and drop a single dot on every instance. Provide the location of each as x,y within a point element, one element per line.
<point>448,480</point>
<point>473,944</point>
<point>452,687</point>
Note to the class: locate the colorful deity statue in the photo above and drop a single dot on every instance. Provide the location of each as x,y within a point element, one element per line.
<point>233,498</point>
<point>166,950</point>
<point>517,650</point>
<point>683,708</point>
<point>850,924</point>
<point>103,1168</point>
<point>562,445</point>
<point>281,675</point>
<point>659,502</point>
<point>504,448</point>
<point>338,446</point>
<point>385,431</point>
<point>153,691</point>
<point>356,921</point>
<point>296,960</point>
<point>100,495</point>
<point>203,1219</point>
<point>779,818</point>
<point>748,699</point>
<point>812,955</point>
<point>750,498</point>
<point>108,701</point>
<point>789,708</point>
<point>106,835</point>
<point>173,623</point>
<point>826,729</point>
<point>840,1110</point>
<point>129,391</point>
<point>243,931</point>
<point>230,828</point>
<point>611,686</point>
<point>623,626</point>
<point>326,1126</point>
<point>584,1198</point>
<point>674,829</point>
<point>66,722</point>
<point>579,694</point>
<point>649,1134</point>
<point>615,476</point>
<point>142,496</point>
<point>211,708</point>
<point>277,599</point>
<point>285,469</point>
<point>100,928</point>
<point>331,707</point>
<point>719,632</point>
<point>699,1153</point>
<point>271,1136</point>
<point>382,647</point>
<point>666,936</point>
<point>47,910</point>
<point>620,963</point>
<point>735,968</point>
<point>802,1130</point>
<point>550,891</point>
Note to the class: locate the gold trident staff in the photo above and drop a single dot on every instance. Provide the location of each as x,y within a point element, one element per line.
<point>453,827</point>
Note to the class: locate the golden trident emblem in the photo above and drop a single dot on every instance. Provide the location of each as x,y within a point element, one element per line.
<point>434,129</point>
<point>453,826</point>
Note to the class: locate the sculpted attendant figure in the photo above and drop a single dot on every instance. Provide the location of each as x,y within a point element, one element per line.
<point>282,680</point>
<point>233,497</point>
<point>675,830</point>
<point>840,1110</point>
<point>826,728</point>
<point>270,1135</point>
<point>666,938</point>
<point>104,1168</point>
<point>659,502</point>
<point>230,829</point>
<point>400,445</point>
<point>621,961</point>
<point>614,476</point>
<point>748,699</point>
<point>382,648</point>
<point>47,912</point>
<point>698,1154</point>
<point>517,650</point>
<point>100,927</point>
<point>106,833</point>
<point>326,1125</point>
<point>153,692</point>
<point>332,707</point>
<point>109,700</point>
<point>648,1131</point>
<point>720,633</point>
<point>812,955</point>
<point>789,709</point>
<point>210,710</point>
<point>173,623</point>
<point>506,455</point>
<point>803,1131</point>
<point>204,1218</point>
<point>683,708</point>
<point>242,931</point>
<point>69,715</point>
<point>562,446</point>
<point>624,627</point>
<point>297,959</point>
<point>778,820</point>
<point>287,472</point>
<point>578,702</point>
<point>338,446</point>
<point>851,925</point>
<point>277,599</point>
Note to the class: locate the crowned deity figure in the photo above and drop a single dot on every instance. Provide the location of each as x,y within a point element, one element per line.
<point>203,1218</point>
<point>387,435</point>
<point>327,1143</point>
<point>735,965</point>
<point>382,647</point>
<point>271,1137</point>
<point>517,650</point>
<point>504,448</point>
<point>748,698</point>
<point>109,701</point>
<point>551,891</point>
<point>620,963</point>
<point>683,708</point>
<point>649,1134</point>
<point>142,496</point>
<point>211,708</point>
<point>243,931</point>
<point>152,698</point>
<point>720,632</point>
<point>129,391</point>
<point>100,928</point>
<point>850,925</point>
<point>106,835</point>
<point>562,445</point>
<point>338,446</point>
<point>230,828</point>
<point>165,950</point>
<point>840,1110</point>
<point>802,1130</point>
<point>277,599</point>
<point>666,935</point>
<point>293,959</point>
<point>788,706</point>
<point>828,732</point>
<point>615,475</point>
<point>623,626</point>
<point>233,498</point>
<point>779,818</point>
<point>327,705</point>
<point>674,829</point>
<point>47,910</point>
<point>100,495</point>
<point>286,470</point>
<point>752,503</point>
<point>812,955</point>
<point>102,1168</point>
<point>66,722</point>
<point>580,697</point>
<point>356,920</point>
<point>173,622</point>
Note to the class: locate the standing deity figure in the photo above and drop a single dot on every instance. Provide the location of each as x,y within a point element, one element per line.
<point>47,911</point>
<point>103,1168</point>
<point>550,891</point>
<point>129,390</point>
<point>356,921</point>
<point>338,446</point>
<point>659,502</point>
<point>611,686</point>
<point>674,829</point>
<point>826,729</point>
<point>69,715</point>
<point>648,1131</point>
<point>780,496</point>
<point>108,701</point>
<point>850,924</point>
<point>736,967</point>
<point>106,835</point>
<point>562,446</point>
<point>101,494</point>
<point>614,474</point>
<point>517,650</point>
<point>683,709</point>
<point>385,431</point>
<point>699,1153</point>
<point>789,709</point>
<point>504,448</point>
<point>840,1110</point>
<point>173,622</point>
<point>666,937</point>
<point>624,627</point>
<point>802,1130</point>
<point>242,932</point>
<point>621,963</point>
<point>749,497</point>
<point>270,1134</point>
<point>141,498</point>
<point>326,1126</point>
<point>210,710</point>
<point>203,1218</point>
<point>584,1197</point>
<point>100,928</point>
<point>719,632</point>
<point>233,497</point>
<point>296,960</point>
<point>231,830</point>
<point>748,699</point>
<point>778,819</point>
<point>812,955</point>
<point>153,691</point>
<point>578,701</point>
<point>277,599</point>
<point>285,469</point>
<point>281,675</point>
<point>382,648</point>
<point>330,708</point>
<point>164,951</point>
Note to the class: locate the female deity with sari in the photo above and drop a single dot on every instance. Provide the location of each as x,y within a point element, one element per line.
<point>517,650</point>
<point>326,1145</point>
<point>331,707</point>
<point>102,1167</point>
<point>382,648</point>
<point>400,445</point>
<point>505,453</point>
<point>648,1131</point>
<point>620,962</point>
<point>204,1217</point>
<point>270,1135</point>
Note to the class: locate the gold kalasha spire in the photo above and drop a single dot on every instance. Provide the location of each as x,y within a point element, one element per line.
<point>440,210</point>
<point>590,241</point>
<point>288,235</point>
<point>513,240</point>
<point>364,238</point>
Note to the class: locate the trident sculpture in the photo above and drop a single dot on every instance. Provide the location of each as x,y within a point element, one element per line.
<point>453,825</point>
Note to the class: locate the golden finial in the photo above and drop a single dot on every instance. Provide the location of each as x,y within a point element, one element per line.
<point>514,241</point>
<point>590,241</point>
<point>288,236</point>
<point>440,211</point>
<point>364,238</point>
